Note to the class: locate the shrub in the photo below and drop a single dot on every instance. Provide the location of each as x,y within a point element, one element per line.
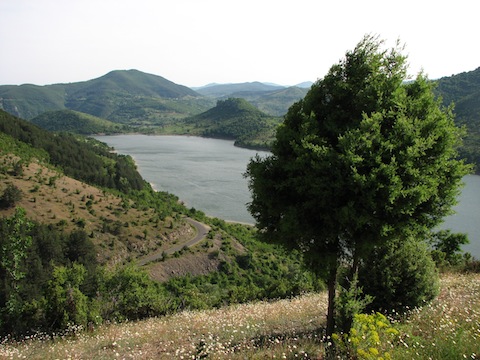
<point>65,303</point>
<point>399,275</point>
<point>368,338</point>
<point>448,248</point>
<point>10,196</point>
<point>130,294</point>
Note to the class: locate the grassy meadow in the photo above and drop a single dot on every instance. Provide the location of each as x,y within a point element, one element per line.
<point>448,328</point>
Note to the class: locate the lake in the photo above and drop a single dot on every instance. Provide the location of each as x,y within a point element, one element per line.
<point>204,173</point>
<point>207,174</point>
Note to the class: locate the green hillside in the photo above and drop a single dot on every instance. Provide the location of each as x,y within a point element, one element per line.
<point>82,160</point>
<point>277,102</point>
<point>76,122</point>
<point>236,119</point>
<point>27,101</point>
<point>464,91</point>
<point>123,96</point>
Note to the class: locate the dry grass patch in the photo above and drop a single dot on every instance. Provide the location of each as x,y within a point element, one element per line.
<point>449,328</point>
<point>257,330</point>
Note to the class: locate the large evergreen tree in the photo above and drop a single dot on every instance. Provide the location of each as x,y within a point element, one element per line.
<point>364,158</point>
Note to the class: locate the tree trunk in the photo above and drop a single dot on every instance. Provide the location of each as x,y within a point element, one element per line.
<point>330,329</point>
<point>332,286</point>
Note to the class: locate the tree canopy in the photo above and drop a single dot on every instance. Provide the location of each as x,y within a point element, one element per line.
<point>365,157</point>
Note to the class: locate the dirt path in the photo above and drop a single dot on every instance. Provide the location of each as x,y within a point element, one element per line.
<point>201,230</point>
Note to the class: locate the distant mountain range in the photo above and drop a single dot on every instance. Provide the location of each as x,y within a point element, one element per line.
<point>137,98</point>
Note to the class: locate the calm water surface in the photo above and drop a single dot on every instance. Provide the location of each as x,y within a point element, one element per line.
<point>467,217</point>
<point>207,175</point>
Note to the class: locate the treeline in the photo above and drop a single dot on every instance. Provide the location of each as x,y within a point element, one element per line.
<point>50,280</point>
<point>81,159</point>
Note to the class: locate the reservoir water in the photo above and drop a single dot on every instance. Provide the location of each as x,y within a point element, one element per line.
<point>204,173</point>
<point>207,174</point>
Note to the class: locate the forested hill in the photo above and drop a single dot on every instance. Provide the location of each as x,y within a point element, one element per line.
<point>121,96</point>
<point>235,118</point>
<point>464,91</point>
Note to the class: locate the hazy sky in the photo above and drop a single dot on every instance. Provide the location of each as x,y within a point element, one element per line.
<point>195,42</point>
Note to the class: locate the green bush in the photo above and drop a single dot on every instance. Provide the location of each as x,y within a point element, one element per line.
<point>10,196</point>
<point>447,248</point>
<point>399,275</point>
<point>130,294</point>
<point>65,304</point>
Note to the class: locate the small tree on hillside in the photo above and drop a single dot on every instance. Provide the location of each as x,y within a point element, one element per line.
<point>365,157</point>
<point>10,196</point>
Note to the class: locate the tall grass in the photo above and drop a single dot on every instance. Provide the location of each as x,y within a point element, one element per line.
<point>448,328</point>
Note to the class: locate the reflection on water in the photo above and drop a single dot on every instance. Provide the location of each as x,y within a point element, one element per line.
<point>207,174</point>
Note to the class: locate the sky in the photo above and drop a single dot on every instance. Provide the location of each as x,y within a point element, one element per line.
<point>197,42</point>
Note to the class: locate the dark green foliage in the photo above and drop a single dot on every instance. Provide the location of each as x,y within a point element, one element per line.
<point>129,293</point>
<point>88,161</point>
<point>234,118</point>
<point>36,275</point>
<point>11,195</point>
<point>65,304</point>
<point>399,275</point>
<point>14,244</point>
<point>447,247</point>
<point>464,91</point>
<point>76,122</point>
<point>350,302</point>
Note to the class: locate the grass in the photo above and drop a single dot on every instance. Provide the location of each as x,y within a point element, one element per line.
<point>257,330</point>
<point>448,328</point>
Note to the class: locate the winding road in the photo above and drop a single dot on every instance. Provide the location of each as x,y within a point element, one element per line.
<point>201,231</point>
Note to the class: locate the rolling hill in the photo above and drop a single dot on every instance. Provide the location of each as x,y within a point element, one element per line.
<point>122,96</point>
<point>237,119</point>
